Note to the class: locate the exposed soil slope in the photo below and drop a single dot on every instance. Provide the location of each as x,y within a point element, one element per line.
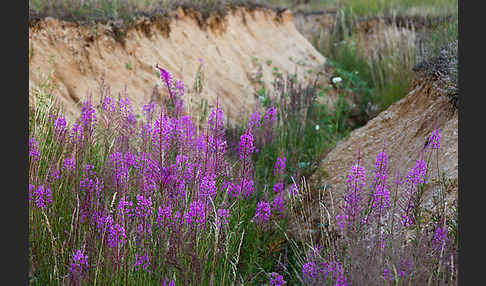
<point>78,56</point>
<point>404,127</point>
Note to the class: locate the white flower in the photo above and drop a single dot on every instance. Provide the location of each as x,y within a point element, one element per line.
<point>317,127</point>
<point>336,80</point>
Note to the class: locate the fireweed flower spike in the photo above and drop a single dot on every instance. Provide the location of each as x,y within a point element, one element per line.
<point>353,201</point>
<point>141,262</point>
<point>278,204</point>
<point>440,239</point>
<point>60,126</point>
<point>276,279</point>
<point>223,215</point>
<point>309,271</point>
<point>381,194</point>
<point>434,140</point>
<point>167,77</point>
<point>271,114</point>
<point>255,120</point>
<point>33,149</point>
<point>415,177</point>
<point>168,282</point>
<point>279,168</point>
<point>41,196</point>
<point>79,264</point>
<point>262,213</point>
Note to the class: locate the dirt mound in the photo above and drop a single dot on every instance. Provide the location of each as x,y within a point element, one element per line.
<point>405,128</point>
<point>240,51</point>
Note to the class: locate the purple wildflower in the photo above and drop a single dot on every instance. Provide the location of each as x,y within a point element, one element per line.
<point>91,186</point>
<point>246,145</point>
<point>223,215</point>
<point>88,117</point>
<point>208,186</point>
<point>339,273</point>
<point>144,207</point>
<point>248,188</point>
<point>309,271</point>
<point>69,164</point>
<point>80,263</point>
<point>168,282</point>
<point>353,202</point>
<point>381,195</point>
<point>216,119</point>
<point>276,279</point>
<point>388,275</point>
<point>279,168</point>
<point>165,75</point>
<point>56,173</point>
<point>77,133</point>
<point>180,86</point>
<point>278,204</point>
<point>33,149</point>
<point>342,220</point>
<point>356,177</point>
<point>278,188</point>
<point>407,219</point>
<point>262,213</point>
<point>418,173</point>
<point>116,235</point>
<point>124,207</point>
<point>271,114</point>
<point>440,239</point>
<point>60,126</point>
<point>109,104</point>
<point>164,216</point>
<point>141,261</point>
<point>196,213</point>
<point>149,108</point>
<point>42,196</point>
<point>233,190</point>
<point>255,120</point>
<point>415,176</point>
<point>294,189</point>
<point>31,188</point>
<point>434,139</point>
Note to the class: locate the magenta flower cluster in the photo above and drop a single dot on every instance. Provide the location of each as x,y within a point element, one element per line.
<point>279,168</point>
<point>33,149</point>
<point>353,201</point>
<point>440,238</point>
<point>80,263</point>
<point>276,279</point>
<point>434,139</point>
<point>223,215</point>
<point>141,262</point>
<point>263,212</point>
<point>314,273</point>
<point>42,196</point>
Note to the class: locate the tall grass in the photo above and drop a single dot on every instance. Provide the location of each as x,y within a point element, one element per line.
<point>127,11</point>
<point>378,231</point>
<point>408,7</point>
<point>383,59</point>
<point>118,200</point>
